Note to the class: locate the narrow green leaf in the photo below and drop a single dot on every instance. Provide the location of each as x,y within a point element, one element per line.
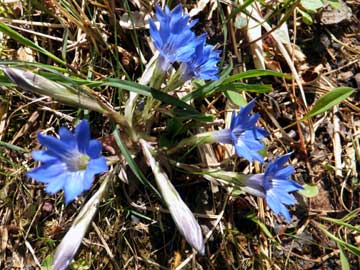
<point>181,114</point>
<point>255,88</point>
<point>343,259</point>
<point>133,166</point>
<point>353,249</point>
<point>28,43</point>
<point>17,63</point>
<point>342,223</point>
<point>309,191</point>
<point>255,73</point>
<point>145,91</point>
<point>13,147</point>
<point>264,228</point>
<point>329,100</point>
<point>306,17</point>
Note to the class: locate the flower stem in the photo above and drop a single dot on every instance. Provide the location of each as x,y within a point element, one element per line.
<point>200,138</point>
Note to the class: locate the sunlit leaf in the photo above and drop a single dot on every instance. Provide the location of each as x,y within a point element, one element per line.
<point>235,98</point>
<point>253,74</point>
<point>309,191</point>
<point>329,100</point>
<point>312,5</point>
<point>345,265</point>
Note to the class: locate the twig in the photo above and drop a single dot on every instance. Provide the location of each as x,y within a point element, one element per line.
<point>108,251</point>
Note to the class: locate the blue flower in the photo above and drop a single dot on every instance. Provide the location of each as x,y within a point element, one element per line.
<point>174,38</point>
<point>243,134</point>
<point>274,185</point>
<point>69,163</point>
<point>203,62</point>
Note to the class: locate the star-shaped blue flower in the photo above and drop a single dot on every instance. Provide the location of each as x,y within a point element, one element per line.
<point>243,134</point>
<point>203,63</point>
<point>275,185</point>
<point>69,163</point>
<point>174,38</point>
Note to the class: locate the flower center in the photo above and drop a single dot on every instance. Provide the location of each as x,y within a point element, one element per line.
<point>78,162</point>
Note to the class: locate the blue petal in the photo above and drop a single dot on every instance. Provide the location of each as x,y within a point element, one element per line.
<point>56,147</point>
<point>44,156</point>
<point>45,172</point>
<point>94,167</point>
<point>74,185</point>
<point>97,166</point>
<point>57,183</point>
<point>174,38</point>
<point>67,137</point>
<point>60,168</point>
<point>273,202</point>
<point>222,136</point>
<point>286,184</point>
<point>246,110</point>
<point>285,172</point>
<point>82,133</point>
<point>202,63</point>
<point>242,151</point>
<point>94,149</point>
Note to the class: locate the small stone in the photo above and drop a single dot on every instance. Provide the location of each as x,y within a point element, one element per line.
<point>345,76</point>
<point>357,79</point>
<point>47,207</point>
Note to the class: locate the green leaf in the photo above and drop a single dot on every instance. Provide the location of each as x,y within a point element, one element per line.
<point>311,5</point>
<point>255,73</point>
<point>336,4</point>
<point>306,17</point>
<point>343,259</point>
<point>235,98</point>
<point>353,249</point>
<point>28,43</point>
<point>309,191</point>
<point>342,223</point>
<point>236,86</point>
<point>13,147</point>
<point>47,263</point>
<point>150,92</point>
<point>264,229</point>
<point>329,100</point>
<point>131,162</point>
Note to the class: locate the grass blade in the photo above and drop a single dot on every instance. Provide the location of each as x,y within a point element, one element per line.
<point>28,43</point>
<point>151,92</point>
<point>255,73</point>
<point>133,166</point>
